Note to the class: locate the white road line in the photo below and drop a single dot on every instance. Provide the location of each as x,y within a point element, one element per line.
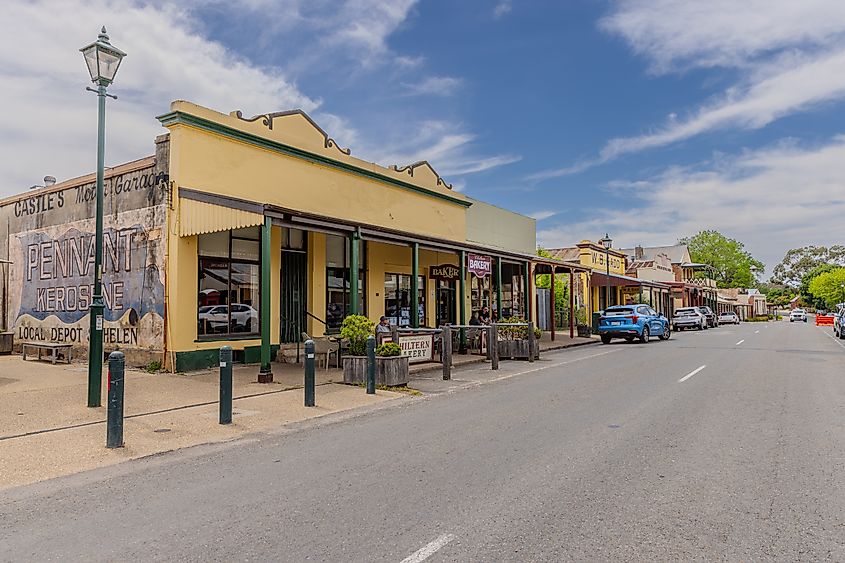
<point>756,332</point>
<point>428,550</point>
<point>832,337</point>
<point>740,342</point>
<point>690,374</point>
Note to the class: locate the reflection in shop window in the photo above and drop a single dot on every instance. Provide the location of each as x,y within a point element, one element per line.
<point>397,299</point>
<point>229,281</point>
<point>337,280</point>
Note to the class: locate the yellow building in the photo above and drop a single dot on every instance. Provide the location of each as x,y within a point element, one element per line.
<point>269,216</point>
<point>608,280</point>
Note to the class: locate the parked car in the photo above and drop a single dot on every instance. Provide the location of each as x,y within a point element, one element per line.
<point>688,317</point>
<point>216,318</point>
<point>838,322</point>
<point>633,321</point>
<point>708,313</point>
<point>728,318</point>
<point>798,315</point>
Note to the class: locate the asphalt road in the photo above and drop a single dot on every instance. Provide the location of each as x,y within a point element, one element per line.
<point>599,453</point>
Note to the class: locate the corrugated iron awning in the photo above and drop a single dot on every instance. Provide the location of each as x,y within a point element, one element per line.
<point>199,217</point>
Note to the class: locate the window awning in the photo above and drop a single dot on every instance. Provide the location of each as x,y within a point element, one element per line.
<point>199,217</point>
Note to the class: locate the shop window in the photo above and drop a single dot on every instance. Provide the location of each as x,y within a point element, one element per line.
<point>481,293</point>
<point>229,282</point>
<point>337,280</point>
<point>397,299</point>
<point>512,290</point>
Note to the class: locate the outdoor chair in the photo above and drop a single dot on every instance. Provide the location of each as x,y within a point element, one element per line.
<point>324,345</point>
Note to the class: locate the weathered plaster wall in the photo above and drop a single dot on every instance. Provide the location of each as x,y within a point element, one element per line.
<point>48,235</point>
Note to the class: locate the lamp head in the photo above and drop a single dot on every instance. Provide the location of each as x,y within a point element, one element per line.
<point>103,59</point>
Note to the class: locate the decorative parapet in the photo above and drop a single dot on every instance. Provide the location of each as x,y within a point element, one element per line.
<point>268,118</point>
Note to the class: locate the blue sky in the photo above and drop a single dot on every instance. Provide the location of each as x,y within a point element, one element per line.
<point>646,119</point>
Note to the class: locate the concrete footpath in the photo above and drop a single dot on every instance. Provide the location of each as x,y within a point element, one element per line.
<point>46,429</point>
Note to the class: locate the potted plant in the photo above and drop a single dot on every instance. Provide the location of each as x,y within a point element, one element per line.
<point>391,365</point>
<point>355,329</point>
<point>584,330</point>
<point>513,340</point>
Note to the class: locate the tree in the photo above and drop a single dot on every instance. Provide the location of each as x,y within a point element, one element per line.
<point>807,279</point>
<point>732,264</point>
<point>829,287</point>
<point>544,281</point>
<point>798,261</point>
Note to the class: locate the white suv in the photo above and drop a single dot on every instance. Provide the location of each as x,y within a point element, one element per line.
<point>797,315</point>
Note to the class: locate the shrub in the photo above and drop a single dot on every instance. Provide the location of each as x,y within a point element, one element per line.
<point>388,350</point>
<point>516,332</point>
<point>153,367</point>
<point>356,329</point>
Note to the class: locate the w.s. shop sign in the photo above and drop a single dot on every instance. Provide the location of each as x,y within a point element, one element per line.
<point>479,265</point>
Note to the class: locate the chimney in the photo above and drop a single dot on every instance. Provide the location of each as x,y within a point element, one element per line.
<point>638,253</point>
<point>49,181</point>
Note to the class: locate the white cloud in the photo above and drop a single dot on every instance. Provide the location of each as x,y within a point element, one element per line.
<point>502,8</point>
<point>675,34</point>
<point>434,85</point>
<point>445,145</point>
<point>773,199</point>
<point>790,57</point>
<point>52,128</point>
<point>541,215</point>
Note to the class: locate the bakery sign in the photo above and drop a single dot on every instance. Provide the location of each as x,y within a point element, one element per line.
<point>479,265</point>
<point>448,272</point>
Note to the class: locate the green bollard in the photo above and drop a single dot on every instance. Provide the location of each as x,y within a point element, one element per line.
<point>225,385</point>
<point>309,373</point>
<point>114,420</point>
<point>371,365</point>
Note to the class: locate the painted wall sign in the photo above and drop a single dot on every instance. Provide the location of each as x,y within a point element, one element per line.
<point>597,260</point>
<point>49,286</point>
<point>446,272</point>
<point>479,265</point>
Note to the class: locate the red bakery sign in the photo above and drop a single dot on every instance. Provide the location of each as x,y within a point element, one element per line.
<point>479,265</point>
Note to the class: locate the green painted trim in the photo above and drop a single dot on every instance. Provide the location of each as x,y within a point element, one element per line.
<point>265,293</point>
<point>203,359</point>
<point>197,359</point>
<point>354,241</point>
<point>415,285</point>
<point>180,118</point>
<point>229,338</point>
<point>462,300</point>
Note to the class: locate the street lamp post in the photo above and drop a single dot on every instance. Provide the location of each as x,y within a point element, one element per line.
<point>606,242</point>
<point>103,60</point>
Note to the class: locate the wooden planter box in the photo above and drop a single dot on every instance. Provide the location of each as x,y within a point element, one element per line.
<point>354,369</point>
<point>391,371</point>
<point>584,331</point>
<point>516,349</point>
<point>7,339</point>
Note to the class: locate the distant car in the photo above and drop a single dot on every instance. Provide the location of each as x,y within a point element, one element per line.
<point>688,317</point>
<point>838,322</point>
<point>633,321</point>
<point>728,318</point>
<point>797,315</point>
<point>709,315</point>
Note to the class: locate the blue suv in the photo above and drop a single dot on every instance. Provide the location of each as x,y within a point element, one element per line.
<point>632,321</point>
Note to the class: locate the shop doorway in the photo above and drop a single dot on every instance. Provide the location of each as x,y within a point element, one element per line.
<point>293,285</point>
<point>445,304</point>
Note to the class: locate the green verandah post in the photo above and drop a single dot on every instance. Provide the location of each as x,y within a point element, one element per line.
<point>265,374</point>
